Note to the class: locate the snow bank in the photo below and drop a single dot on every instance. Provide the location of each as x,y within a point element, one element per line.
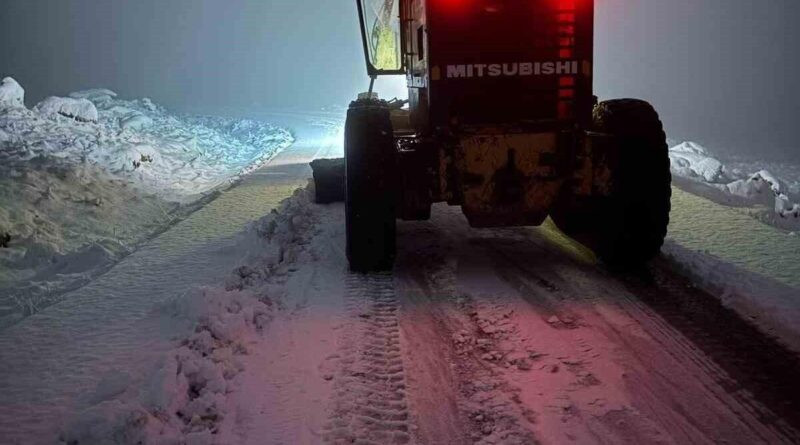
<point>135,121</point>
<point>191,154</point>
<point>776,200</point>
<point>186,398</point>
<point>771,305</point>
<point>103,180</point>
<point>82,110</point>
<point>96,95</point>
<point>691,160</point>
<point>11,94</point>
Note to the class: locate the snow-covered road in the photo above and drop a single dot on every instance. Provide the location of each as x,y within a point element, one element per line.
<point>51,361</point>
<point>479,336</point>
<point>502,336</point>
<point>539,344</point>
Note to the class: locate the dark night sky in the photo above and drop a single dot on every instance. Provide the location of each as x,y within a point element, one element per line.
<point>722,72</point>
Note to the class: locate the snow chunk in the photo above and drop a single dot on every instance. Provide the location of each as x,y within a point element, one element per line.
<point>786,209</point>
<point>111,422</point>
<point>776,200</point>
<point>148,104</point>
<point>748,188</point>
<point>774,183</point>
<point>691,160</point>
<point>135,121</point>
<point>81,110</point>
<point>110,386</point>
<point>96,95</point>
<point>11,94</point>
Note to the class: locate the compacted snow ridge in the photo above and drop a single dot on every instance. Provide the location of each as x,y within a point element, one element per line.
<point>482,347</point>
<point>773,200</point>
<point>770,305</point>
<point>190,397</point>
<point>84,179</point>
<point>82,110</point>
<point>489,402</point>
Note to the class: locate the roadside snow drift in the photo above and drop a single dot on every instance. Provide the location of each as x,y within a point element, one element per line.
<point>85,178</point>
<point>11,94</point>
<point>774,200</point>
<point>769,304</point>
<point>81,110</point>
<point>188,398</point>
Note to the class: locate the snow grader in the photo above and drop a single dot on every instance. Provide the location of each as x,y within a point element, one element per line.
<point>501,120</point>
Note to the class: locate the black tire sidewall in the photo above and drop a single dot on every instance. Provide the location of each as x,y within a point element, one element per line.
<point>635,217</point>
<point>370,187</point>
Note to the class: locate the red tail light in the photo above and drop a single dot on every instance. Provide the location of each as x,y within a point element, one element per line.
<point>565,5</point>
<point>456,4</point>
<point>566,19</point>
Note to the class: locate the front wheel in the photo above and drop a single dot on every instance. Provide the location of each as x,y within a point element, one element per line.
<point>627,227</point>
<point>370,186</point>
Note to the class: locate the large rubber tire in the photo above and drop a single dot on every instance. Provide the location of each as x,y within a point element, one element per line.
<point>628,227</point>
<point>370,187</point>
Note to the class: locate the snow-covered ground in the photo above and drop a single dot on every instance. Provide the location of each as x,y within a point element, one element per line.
<point>753,268</point>
<point>772,305</point>
<point>473,339</point>
<point>118,327</point>
<point>193,396</point>
<point>768,197</point>
<point>84,179</point>
<point>480,336</point>
<point>516,374</point>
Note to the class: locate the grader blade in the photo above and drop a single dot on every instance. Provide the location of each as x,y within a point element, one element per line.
<point>328,180</point>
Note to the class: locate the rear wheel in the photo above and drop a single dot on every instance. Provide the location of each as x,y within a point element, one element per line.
<point>626,228</point>
<point>370,187</point>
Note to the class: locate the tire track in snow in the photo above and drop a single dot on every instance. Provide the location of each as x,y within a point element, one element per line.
<point>488,403</point>
<point>721,357</point>
<point>717,383</point>
<point>369,404</point>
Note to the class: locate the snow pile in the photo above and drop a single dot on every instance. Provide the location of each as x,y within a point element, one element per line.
<point>691,160</point>
<point>85,179</point>
<point>176,157</point>
<point>776,201</point>
<point>11,94</point>
<point>96,95</point>
<point>82,110</point>
<point>185,399</point>
<point>764,183</point>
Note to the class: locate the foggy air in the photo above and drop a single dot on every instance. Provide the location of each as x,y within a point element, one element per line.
<point>399,221</point>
